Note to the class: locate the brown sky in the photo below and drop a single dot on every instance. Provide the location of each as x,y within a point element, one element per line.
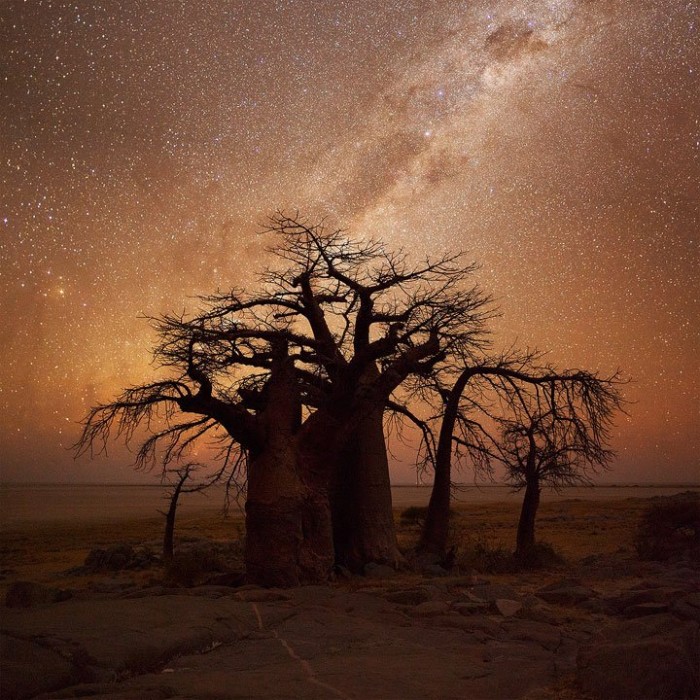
<point>143,142</point>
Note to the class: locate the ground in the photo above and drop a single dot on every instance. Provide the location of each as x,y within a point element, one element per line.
<point>603,624</point>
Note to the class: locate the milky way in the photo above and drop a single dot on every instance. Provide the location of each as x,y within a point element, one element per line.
<point>142,143</point>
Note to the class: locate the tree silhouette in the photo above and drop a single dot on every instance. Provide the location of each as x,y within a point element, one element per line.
<point>556,438</point>
<point>177,487</point>
<point>292,384</point>
<point>294,381</point>
<point>546,426</point>
<point>177,481</point>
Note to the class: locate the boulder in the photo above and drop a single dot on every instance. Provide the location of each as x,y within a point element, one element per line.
<point>432,607</point>
<point>565,592</point>
<point>27,594</point>
<point>648,657</point>
<point>507,608</point>
<point>115,558</point>
<point>378,571</point>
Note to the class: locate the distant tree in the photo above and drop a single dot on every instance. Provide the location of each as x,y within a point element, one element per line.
<point>177,479</point>
<point>295,381</point>
<point>555,438</point>
<point>486,398</point>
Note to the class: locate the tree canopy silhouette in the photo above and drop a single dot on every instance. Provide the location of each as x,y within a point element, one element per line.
<point>292,383</point>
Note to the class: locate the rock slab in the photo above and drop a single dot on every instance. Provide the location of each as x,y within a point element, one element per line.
<point>649,657</point>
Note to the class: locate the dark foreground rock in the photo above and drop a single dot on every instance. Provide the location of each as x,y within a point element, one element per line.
<point>435,638</point>
<point>27,594</point>
<point>313,642</point>
<point>650,657</point>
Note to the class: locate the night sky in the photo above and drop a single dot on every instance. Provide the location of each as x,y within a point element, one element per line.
<point>143,142</point>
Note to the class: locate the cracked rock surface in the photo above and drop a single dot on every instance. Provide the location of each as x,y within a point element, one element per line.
<point>447,637</point>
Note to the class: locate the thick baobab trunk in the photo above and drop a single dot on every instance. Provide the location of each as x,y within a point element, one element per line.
<point>526,525</point>
<point>288,527</point>
<point>289,537</point>
<point>363,521</point>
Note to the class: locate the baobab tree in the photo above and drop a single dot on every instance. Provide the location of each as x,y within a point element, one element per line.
<point>296,379</point>
<point>293,382</point>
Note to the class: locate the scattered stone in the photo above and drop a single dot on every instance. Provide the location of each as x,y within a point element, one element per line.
<point>490,592</point>
<point>622,603</point>
<point>434,570</point>
<point>597,606</point>
<point>373,570</point>
<point>650,657</point>
<point>688,607</point>
<point>413,596</point>
<point>432,607</point>
<point>113,586</point>
<point>113,558</point>
<point>233,579</point>
<point>507,608</point>
<point>342,572</point>
<point>471,607</point>
<point>565,592</point>
<point>642,609</point>
<point>118,558</point>
<point>547,636</point>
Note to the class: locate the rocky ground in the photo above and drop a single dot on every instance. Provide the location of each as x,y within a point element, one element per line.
<point>605,626</point>
<point>388,636</point>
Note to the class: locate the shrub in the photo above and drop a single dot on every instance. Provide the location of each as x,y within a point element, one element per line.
<point>414,515</point>
<point>190,565</point>
<point>483,554</point>
<point>540,556</point>
<point>670,529</point>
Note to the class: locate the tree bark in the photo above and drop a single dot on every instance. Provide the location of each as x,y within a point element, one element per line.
<point>435,534</point>
<point>289,539</point>
<point>363,519</point>
<point>169,533</point>
<point>525,540</point>
<point>436,528</point>
<point>288,526</point>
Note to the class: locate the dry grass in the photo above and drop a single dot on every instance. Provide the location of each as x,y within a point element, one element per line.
<point>42,552</point>
<point>575,528</point>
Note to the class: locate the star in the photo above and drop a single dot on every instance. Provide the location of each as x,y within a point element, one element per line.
<point>555,142</point>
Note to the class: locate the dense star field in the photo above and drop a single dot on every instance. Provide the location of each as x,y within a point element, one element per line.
<point>143,142</point>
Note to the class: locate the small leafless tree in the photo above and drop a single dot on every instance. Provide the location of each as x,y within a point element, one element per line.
<point>556,438</point>
<point>179,481</point>
<point>485,401</point>
<point>177,487</point>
